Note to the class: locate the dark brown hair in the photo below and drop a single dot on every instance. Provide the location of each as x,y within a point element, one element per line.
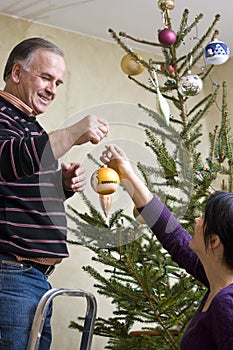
<point>24,51</point>
<point>218,219</point>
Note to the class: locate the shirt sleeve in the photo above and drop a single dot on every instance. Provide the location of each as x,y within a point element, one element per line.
<point>63,192</point>
<point>174,238</point>
<point>22,152</point>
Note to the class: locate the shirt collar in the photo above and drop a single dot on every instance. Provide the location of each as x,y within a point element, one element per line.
<point>17,102</point>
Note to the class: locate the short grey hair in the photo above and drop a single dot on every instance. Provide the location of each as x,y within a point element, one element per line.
<point>24,51</point>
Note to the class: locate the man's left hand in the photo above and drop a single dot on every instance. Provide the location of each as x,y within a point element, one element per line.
<point>73,176</point>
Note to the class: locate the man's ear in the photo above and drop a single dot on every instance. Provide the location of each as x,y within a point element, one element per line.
<point>15,73</point>
<point>215,241</point>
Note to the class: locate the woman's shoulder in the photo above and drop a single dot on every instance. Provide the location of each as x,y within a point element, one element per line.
<point>223,300</point>
<point>220,316</point>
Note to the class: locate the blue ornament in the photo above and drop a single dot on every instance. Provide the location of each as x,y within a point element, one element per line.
<point>216,52</point>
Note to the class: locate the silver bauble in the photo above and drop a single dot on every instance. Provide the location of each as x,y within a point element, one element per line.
<point>190,85</point>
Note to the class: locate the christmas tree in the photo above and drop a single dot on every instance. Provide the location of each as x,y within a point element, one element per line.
<point>154,299</point>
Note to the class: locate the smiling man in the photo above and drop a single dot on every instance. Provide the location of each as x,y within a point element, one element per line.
<point>32,187</point>
<point>36,79</point>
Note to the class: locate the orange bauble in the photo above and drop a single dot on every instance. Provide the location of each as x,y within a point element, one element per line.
<point>105,181</point>
<point>130,66</point>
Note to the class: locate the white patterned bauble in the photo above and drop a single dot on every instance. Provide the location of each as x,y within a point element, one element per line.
<point>190,85</point>
<point>217,52</point>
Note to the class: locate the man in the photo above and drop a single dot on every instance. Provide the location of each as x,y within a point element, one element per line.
<point>32,188</point>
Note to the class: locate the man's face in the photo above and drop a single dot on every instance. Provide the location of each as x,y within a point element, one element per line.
<point>37,86</point>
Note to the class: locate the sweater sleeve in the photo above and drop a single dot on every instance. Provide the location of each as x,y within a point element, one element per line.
<point>174,238</point>
<point>62,191</point>
<point>24,148</point>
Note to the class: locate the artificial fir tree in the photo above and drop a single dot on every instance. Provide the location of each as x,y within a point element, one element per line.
<point>147,289</point>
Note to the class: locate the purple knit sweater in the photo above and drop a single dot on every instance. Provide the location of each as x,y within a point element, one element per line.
<point>210,330</point>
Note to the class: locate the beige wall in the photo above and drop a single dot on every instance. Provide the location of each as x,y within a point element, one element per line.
<point>94,78</point>
<point>94,83</point>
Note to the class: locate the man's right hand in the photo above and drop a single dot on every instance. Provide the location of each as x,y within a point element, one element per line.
<point>91,129</point>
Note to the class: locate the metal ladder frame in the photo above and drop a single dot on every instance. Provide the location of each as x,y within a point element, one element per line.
<point>42,308</point>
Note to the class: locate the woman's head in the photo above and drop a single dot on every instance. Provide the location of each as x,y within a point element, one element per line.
<point>218,219</point>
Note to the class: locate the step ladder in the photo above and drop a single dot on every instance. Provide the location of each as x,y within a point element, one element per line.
<point>41,312</point>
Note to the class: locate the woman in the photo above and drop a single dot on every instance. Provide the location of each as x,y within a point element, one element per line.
<point>208,255</point>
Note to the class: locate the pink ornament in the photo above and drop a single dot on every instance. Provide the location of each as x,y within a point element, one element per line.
<point>171,69</point>
<point>167,37</point>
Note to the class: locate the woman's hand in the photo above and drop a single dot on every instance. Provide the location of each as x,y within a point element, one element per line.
<point>114,157</point>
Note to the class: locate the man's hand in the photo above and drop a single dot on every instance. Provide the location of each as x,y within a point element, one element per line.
<point>90,129</point>
<point>73,176</point>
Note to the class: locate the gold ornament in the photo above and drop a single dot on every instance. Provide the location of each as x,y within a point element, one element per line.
<point>166,4</point>
<point>130,66</point>
<point>105,181</point>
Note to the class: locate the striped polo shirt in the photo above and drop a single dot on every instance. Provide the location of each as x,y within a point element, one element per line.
<point>32,215</point>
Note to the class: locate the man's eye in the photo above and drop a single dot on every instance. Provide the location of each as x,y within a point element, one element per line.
<point>45,77</point>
